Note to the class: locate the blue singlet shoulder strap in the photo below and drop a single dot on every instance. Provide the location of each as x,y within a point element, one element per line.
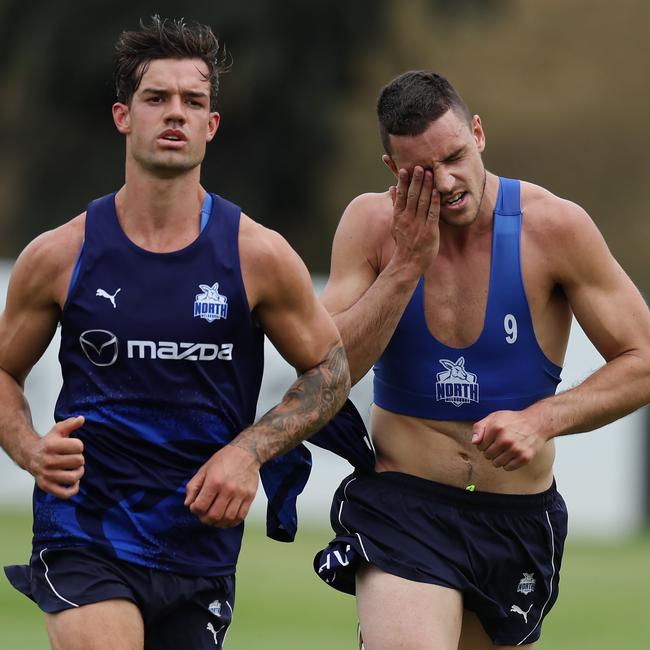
<point>508,201</point>
<point>206,210</point>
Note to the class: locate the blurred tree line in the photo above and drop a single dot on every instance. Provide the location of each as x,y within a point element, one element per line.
<point>60,149</point>
<point>561,88</point>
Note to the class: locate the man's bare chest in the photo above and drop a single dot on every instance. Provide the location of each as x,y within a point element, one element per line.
<point>455,301</point>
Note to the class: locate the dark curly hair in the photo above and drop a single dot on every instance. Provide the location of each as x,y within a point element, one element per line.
<point>166,39</point>
<point>409,103</point>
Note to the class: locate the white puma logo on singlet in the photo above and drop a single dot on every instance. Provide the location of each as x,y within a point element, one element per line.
<point>103,294</point>
<point>210,627</point>
<point>518,610</point>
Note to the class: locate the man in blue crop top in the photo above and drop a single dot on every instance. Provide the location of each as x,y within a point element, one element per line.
<point>459,287</point>
<point>164,293</point>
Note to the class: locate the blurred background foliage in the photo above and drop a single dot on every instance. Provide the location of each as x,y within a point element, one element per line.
<point>562,89</point>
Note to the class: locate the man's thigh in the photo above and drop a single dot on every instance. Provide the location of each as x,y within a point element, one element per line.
<point>474,637</point>
<point>395,613</point>
<point>107,625</point>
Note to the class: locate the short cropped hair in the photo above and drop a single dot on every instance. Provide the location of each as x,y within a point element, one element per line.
<point>412,101</point>
<point>166,39</point>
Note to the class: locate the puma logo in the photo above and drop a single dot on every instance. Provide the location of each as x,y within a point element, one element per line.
<point>210,628</point>
<point>103,294</point>
<point>517,610</point>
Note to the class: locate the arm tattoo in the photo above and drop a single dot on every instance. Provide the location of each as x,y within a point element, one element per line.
<point>313,399</point>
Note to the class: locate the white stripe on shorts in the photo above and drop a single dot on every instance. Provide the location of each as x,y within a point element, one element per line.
<point>363,548</point>
<point>550,586</point>
<point>49,582</point>
<point>345,496</point>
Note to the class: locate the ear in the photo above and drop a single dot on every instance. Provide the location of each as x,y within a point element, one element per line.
<point>122,118</point>
<point>447,364</point>
<point>390,163</point>
<point>213,125</point>
<point>478,133</point>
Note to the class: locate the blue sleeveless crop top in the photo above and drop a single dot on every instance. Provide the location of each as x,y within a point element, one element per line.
<point>505,369</point>
<point>161,355</point>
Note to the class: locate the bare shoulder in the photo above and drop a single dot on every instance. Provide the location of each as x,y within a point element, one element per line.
<point>546,214</point>
<point>260,246</point>
<point>371,203</point>
<point>562,231</point>
<point>268,262</point>
<point>363,237</point>
<point>45,265</point>
<point>36,294</point>
<point>370,214</point>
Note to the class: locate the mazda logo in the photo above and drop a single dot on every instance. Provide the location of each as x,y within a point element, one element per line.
<point>99,346</point>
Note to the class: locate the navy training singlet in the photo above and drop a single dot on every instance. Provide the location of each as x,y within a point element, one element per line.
<point>504,369</point>
<point>161,355</point>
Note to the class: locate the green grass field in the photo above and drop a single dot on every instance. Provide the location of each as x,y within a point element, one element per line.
<point>281,604</point>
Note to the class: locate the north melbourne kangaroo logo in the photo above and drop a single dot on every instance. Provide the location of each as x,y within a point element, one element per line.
<point>215,607</point>
<point>104,294</point>
<point>210,305</point>
<point>527,584</point>
<point>517,610</point>
<point>455,384</point>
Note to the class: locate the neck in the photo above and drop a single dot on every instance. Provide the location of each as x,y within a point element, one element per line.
<point>148,203</point>
<point>160,214</point>
<point>489,199</point>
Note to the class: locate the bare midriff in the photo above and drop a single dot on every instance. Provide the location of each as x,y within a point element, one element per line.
<point>442,451</point>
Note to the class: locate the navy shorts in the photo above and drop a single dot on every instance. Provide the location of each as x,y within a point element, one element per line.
<point>502,551</point>
<point>188,612</point>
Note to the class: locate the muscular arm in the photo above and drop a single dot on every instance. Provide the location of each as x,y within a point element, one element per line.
<point>301,329</point>
<point>313,399</point>
<point>366,302</point>
<point>26,328</point>
<point>617,321</point>
<point>306,337</point>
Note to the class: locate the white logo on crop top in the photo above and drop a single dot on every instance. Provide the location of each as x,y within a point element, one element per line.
<point>455,384</point>
<point>210,305</point>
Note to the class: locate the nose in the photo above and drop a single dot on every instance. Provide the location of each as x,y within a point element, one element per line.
<point>444,180</point>
<point>175,113</point>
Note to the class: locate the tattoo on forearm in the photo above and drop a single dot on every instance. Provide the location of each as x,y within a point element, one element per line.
<point>313,399</point>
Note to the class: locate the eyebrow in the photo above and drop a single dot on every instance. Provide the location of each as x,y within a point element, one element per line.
<point>164,91</point>
<point>454,154</point>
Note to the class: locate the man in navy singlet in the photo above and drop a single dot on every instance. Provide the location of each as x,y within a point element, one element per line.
<point>459,287</point>
<point>164,293</point>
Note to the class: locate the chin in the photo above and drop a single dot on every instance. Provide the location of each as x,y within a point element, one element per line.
<point>170,168</point>
<point>459,220</point>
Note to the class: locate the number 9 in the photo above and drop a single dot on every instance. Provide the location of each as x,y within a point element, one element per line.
<point>510,326</point>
